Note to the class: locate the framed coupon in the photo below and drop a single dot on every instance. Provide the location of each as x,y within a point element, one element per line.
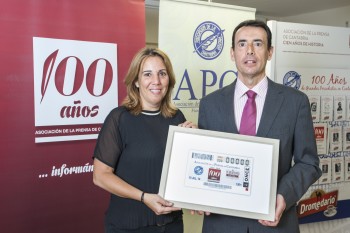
<point>223,173</point>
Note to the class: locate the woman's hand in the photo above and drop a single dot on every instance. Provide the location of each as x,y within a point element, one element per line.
<point>158,205</point>
<point>188,124</point>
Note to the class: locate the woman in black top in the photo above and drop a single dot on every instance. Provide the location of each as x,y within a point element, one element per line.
<point>128,156</point>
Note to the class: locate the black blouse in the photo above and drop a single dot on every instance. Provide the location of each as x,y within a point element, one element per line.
<point>134,146</point>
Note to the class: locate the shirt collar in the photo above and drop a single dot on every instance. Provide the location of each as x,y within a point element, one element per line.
<point>260,89</point>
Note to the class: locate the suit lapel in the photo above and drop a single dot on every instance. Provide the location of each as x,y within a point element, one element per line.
<point>272,106</point>
<point>227,108</point>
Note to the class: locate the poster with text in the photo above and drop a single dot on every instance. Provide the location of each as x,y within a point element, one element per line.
<point>61,73</point>
<point>315,60</point>
<point>197,36</point>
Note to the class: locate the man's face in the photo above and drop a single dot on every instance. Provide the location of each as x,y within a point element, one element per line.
<point>251,53</point>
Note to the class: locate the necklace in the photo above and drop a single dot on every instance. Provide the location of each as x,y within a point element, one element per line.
<point>150,113</point>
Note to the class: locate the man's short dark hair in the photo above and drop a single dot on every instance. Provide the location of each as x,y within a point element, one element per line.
<point>253,23</point>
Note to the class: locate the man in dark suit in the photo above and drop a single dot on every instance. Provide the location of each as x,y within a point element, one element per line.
<point>281,113</point>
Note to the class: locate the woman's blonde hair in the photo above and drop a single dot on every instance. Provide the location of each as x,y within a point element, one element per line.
<point>133,100</point>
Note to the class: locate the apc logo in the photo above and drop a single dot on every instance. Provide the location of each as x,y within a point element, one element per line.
<point>208,40</point>
<point>198,170</point>
<point>75,82</point>
<point>292,79</point>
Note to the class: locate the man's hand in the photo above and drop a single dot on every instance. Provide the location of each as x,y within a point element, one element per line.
<point>199,212</point>
<point>280,207</point>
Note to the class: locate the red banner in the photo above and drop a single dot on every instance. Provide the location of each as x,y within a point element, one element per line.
<point>45,46</point>
<point>319,203</point>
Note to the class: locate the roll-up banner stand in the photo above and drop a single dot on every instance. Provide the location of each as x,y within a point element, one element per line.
<point>197,37</point>
<point>316,60</point>
<point>62,68</point>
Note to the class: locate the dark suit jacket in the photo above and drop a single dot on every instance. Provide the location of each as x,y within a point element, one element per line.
<point>286,116</point>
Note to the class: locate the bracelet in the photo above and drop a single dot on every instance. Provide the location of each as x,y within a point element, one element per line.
<point>142,196</point>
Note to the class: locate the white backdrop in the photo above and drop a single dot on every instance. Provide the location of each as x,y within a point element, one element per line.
<point>189,31</point>
<point>316,60</point>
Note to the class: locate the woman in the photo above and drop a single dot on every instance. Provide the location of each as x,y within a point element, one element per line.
<point>129,153</point>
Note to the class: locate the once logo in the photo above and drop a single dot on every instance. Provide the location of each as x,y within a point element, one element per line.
<point>246,174</point>
<point>246,178</point>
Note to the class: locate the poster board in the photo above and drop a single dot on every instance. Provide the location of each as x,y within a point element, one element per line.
<point>315,60</point>
<point>197,36</point>
<point>47,187</point>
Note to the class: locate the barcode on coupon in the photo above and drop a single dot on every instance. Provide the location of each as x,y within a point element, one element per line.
<point>219,186</point>
<point>202,156</point>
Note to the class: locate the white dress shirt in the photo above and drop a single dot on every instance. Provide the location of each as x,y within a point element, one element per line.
<point>240,98</point>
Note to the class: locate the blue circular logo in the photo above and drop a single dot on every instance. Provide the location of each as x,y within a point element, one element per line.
<point>208,40</point>
<point>198,170</point>
<point>292,79</point>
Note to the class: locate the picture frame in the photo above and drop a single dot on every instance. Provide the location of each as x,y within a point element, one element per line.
<point>219,172</point>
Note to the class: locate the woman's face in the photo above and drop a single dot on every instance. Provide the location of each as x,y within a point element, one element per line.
<point>153,82</point>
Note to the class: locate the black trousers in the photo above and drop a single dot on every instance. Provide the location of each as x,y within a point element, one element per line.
<point>173,227</point>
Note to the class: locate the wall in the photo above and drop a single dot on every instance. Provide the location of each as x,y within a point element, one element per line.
<point>334,17</point>
<point>152,19</point>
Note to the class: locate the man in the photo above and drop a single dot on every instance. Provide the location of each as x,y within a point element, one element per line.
<point>281,112</point>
